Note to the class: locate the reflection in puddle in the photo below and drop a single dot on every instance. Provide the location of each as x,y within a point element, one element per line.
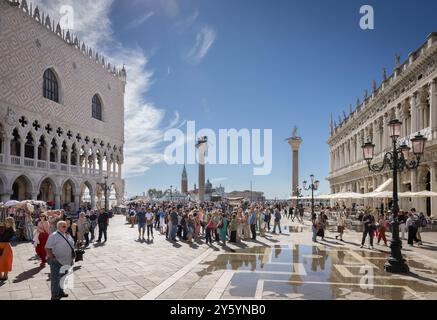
<point>315,272</point>
<point>294,229</point>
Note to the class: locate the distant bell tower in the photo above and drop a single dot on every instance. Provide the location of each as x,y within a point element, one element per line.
<point>184,181</point>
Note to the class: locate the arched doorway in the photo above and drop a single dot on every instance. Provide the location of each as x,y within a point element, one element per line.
<point>21,189</point>
<point>67,196</point>
<point>47,192</point>
<point>86,195</point>
<point>428,187</point>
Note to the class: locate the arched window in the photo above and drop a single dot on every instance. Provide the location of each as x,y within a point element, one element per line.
<point>97,108</point>
<point>50,87</point>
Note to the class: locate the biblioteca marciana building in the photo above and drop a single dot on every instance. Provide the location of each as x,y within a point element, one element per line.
<point>61,113</point>
<point>408,95</point>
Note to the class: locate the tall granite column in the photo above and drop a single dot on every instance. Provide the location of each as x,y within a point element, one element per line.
<point>295,142</point>
<point>202,146</point>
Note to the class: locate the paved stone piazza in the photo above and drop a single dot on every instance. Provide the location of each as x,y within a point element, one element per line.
<point>281,266</point>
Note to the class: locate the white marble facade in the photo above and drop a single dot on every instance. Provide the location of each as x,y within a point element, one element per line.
<point>410,95</point>
<point>56,150</point>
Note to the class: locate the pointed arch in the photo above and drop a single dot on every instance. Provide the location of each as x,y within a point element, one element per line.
<point>16,143</point>
<point>97,107</point>
<point>29,145</point>
<point>42,148</point>
<point>54,150</point>
<point>21,188</point>
<point>51,85</point>
<point>64,152</point>
<point>69,189</point>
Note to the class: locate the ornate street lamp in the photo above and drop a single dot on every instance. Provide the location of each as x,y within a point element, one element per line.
<point>397,161</point>
<point>313,187</point>
<point>106,188</point>
<point>298,194</point>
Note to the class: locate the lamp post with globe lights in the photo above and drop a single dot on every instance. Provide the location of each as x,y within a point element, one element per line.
<point>313,187</point>
<point>397,160</point>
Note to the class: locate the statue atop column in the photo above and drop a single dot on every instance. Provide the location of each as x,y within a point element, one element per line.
<point>295,135</point>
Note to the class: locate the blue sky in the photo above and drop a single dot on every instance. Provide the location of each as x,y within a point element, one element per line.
<point>248,64</point>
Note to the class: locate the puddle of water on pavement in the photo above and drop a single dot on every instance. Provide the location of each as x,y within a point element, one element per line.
<point>320,265</point>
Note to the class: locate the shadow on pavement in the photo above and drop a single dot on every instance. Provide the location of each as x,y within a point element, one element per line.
<point>26,275</point>
<point>239,244</point>
<point>422,278</point>
<point>175,244</point>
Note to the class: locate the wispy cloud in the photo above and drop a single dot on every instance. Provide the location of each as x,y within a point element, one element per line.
<point>204,40</point>
<point>144,121</point>
<point>184,24</point>
<point>138,22</point>
<point>170,7</point>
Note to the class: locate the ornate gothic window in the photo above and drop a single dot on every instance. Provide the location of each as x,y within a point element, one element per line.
<point>51,87</point>
<point>97,108</point>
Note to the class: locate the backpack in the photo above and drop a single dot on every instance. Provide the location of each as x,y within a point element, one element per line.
<point>417,223</point>
<point>423,221</point>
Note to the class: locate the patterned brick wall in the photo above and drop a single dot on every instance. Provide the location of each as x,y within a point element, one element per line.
<point>27,49</point>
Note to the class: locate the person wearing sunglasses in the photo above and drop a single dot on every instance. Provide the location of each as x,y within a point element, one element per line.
<point>60,253</point>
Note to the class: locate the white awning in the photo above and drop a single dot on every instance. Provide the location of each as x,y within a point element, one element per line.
<point>423,194</point>
<point>386,186</point>
<point>301,198</point>
<point>347,195</point>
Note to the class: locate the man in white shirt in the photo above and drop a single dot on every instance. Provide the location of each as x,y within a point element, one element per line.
<point>60,252</point>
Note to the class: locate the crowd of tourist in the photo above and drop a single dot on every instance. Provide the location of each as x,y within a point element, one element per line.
<point>57,236</point>
<point>222,222</point>
<point>58,239</point>
<point>212,221</point>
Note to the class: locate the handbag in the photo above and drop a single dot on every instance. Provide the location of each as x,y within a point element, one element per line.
<point>77,255</point>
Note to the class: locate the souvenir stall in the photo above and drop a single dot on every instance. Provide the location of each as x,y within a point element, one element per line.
<point>25,213</point>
